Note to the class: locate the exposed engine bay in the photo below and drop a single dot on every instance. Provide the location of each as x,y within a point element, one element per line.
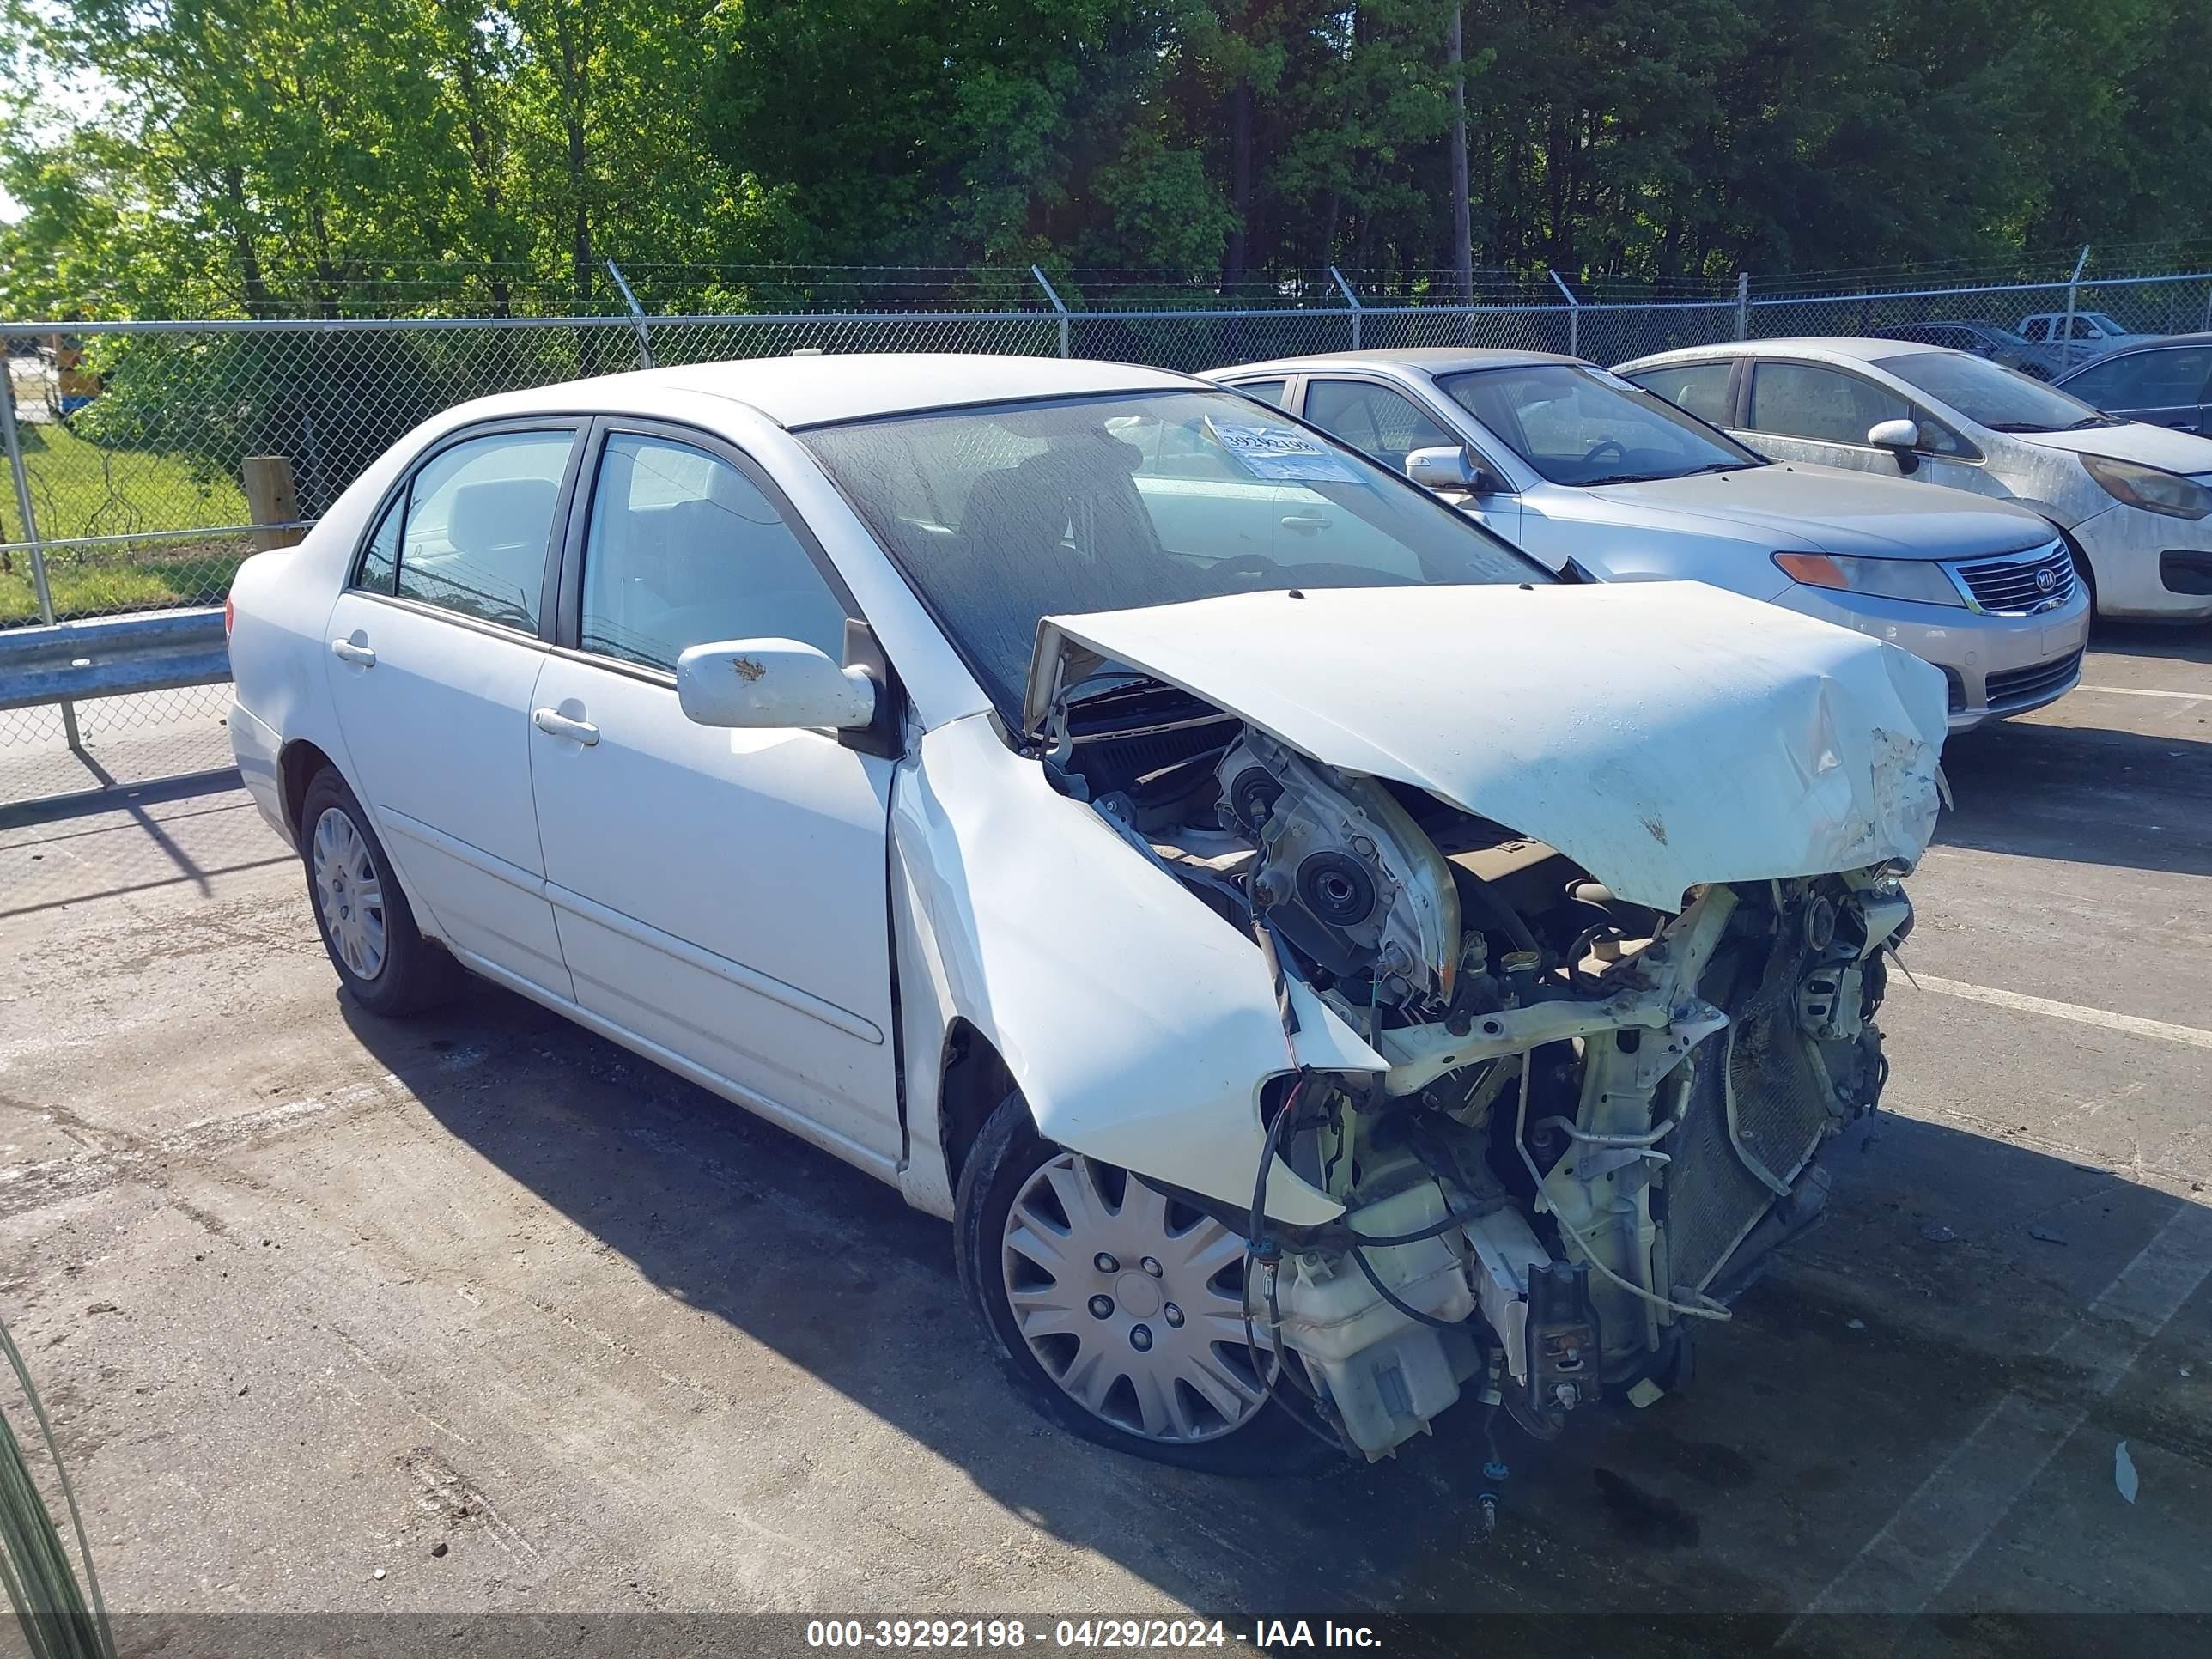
<point>1572,1129</point>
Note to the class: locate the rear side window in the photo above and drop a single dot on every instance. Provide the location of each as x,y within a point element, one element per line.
<point>1702,389</point>
<point>379,560</point>
<point>1804,400</point>
<point>470,533</point>
<point>1267,392</point>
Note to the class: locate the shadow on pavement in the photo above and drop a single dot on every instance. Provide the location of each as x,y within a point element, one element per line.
<point>1846,1377</point>
<point>2083,794</point>
<point>2175,641</point>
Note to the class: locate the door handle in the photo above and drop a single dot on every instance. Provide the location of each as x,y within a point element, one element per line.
<point>359,655</point>
<point>1306,524</point>
<point>555,724</point>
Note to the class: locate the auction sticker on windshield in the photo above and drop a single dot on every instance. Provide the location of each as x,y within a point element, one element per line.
<point>1280,454</point>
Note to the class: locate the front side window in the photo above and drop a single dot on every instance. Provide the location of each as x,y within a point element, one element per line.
<point>2146,380</point>
<point>1700,388</point>
<point>685,550</point>
<point>1804,400</point>
<point>1386,424</point>
<point>1582,426</point>
<point>1003,514</point>
<point>1990,394</point>
<point>477,520</point>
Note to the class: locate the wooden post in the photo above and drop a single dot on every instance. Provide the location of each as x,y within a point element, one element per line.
<point>272,499</point>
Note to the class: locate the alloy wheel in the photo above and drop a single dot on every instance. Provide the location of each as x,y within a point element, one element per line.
<point>348,893</point>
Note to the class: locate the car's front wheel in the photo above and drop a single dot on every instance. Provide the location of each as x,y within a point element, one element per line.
<point>360,913</point>
<point>1118,1311</point>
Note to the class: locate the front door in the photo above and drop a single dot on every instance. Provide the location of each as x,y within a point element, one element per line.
<point>433,654</point>
<point>1816,412</point>
<point>720,894</point>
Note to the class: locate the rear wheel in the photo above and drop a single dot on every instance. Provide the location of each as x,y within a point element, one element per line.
<point>1116,1310</point>
<point>363,915</point>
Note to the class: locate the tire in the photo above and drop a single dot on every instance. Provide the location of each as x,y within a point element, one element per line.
<point>1009,1160</point>
<point>369,932</point>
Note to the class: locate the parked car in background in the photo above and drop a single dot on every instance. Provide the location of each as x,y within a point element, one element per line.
<point>2079,335</point>
<point>1195,861</point>
<point>2167,382</point>
<point>2134,499</point>
<point>1574,465</point>
<point>1985,339</point>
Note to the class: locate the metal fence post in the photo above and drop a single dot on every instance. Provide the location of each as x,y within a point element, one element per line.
<point>2073,294</point>
<point>1056,306</point>
<point>1743,305</point>
<point>1350,299</point>
<point>636,314</point>
<point>30,521</point>
<point>1574,314</point>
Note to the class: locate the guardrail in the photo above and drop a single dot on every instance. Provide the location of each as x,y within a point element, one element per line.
<point>111,656</point>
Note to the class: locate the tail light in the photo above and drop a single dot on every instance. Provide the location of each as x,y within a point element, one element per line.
<point>229,615</point>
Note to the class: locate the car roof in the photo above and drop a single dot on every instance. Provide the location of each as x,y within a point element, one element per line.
<point>1836,347</point>
<point>808,390</point>
<point>1426,360</point>
<point>2160,344</point>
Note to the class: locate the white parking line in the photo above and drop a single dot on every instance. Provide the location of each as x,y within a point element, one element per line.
<point>2145,691</point>
<point>2135,1023</point>
<point>1936,1531</point>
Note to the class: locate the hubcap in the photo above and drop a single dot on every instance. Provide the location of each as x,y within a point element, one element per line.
<point>348,895</point>
<point>1158,1349</point>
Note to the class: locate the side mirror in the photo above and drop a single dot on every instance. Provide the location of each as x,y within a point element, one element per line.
<point>1895,434</point>
<point>1453,469</point>
<point>772,684</point>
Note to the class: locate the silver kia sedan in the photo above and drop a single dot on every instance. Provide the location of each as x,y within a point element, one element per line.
<point>1582,468</point>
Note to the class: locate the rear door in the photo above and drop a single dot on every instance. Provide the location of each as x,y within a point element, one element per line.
<point>721,895</point>
<point>435,648</point>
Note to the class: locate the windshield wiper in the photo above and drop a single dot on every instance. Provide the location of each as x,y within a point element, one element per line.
<point>2018,426</point>
<point>2089,421</point>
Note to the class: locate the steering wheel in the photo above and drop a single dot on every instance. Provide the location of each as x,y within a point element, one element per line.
<point>1247,564</point>
<point>1619,450</point>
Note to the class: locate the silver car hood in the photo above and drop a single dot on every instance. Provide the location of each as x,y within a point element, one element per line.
<point>1660,734</point>
<point>2134,440</point>
<point>1797,506</point>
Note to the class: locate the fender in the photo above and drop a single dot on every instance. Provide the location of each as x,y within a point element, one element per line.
<point>1138,1025</point>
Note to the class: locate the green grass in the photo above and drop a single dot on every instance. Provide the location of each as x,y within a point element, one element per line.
<point>79,488</point>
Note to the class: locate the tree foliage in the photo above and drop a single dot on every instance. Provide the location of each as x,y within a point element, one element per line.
<point>247,156</point>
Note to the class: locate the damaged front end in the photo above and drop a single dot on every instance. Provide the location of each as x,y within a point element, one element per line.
<point>1563,1125</point>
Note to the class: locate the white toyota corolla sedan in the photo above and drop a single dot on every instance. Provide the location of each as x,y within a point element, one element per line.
<point>1319,961</point>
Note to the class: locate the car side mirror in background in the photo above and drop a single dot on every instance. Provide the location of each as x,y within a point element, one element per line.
<point>1900,438</point>
<point>1453,469</point>
<point>772,684</point>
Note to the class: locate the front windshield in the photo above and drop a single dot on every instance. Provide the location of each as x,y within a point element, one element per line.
<point>1004,515</point>
<point>1580,426</point>
<point>2104,321</point>
<point>2003,399</point>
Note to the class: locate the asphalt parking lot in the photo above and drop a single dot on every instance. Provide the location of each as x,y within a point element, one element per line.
<point>483,1313</point>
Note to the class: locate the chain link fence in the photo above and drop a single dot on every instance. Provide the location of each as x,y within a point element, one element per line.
<point>130,441</point>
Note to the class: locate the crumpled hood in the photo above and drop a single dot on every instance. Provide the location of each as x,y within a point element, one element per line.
<point>1660,734</point>
<point>2137,440</point>
<point>1795,506</point>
